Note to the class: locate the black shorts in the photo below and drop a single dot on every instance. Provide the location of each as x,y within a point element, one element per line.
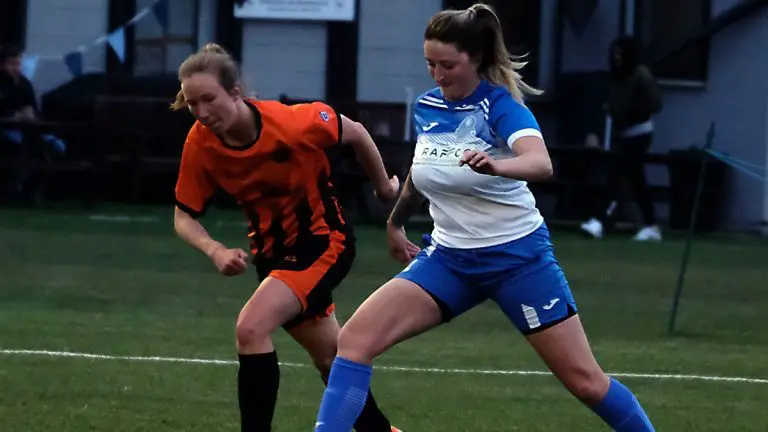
<point>312,269</point>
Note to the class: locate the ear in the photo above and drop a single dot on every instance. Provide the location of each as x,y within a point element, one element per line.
<point>477,62</point>
<point>236,92</point>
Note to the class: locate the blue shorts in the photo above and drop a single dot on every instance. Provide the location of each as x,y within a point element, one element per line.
<point>522,276</point>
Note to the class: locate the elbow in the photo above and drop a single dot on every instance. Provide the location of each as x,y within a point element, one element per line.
<point>547,172</point>
<point>543,170</point>
<point>532,162</point>
<point>179,220</point>
<point>177,225</point>
<point>352,132</point>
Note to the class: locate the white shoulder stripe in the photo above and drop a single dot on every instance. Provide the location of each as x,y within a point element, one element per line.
<point>430,103</point>
<point>432,99</point>
<point>530,132</point>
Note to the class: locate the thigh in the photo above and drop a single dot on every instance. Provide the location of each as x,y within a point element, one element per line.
<point>631,153</point>
<point>564,344</point>
<point>269,307</point>
<point>319,338</point>
<point>397,311</point>
<point>312,274</point>
<point>565,350</point>
<point>536,296</point>
<point>636,148</point>
<point>442,282</point>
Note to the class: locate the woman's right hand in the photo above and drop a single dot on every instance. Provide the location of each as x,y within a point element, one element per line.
<point>229,262</point>
<point>401,249</point>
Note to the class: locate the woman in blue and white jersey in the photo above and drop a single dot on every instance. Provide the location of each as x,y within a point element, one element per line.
<point>477,146</point>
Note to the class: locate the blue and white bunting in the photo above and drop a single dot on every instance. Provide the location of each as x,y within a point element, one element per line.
<point>116,41</point>
<point>74,62</point>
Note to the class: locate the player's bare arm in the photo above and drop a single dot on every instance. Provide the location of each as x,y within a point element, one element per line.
<point>531,164</point>
<point>407,204</point>
<point>229,262</point>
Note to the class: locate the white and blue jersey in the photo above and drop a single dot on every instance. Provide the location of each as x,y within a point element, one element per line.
<point>489,239</point>
<point>469,209</point>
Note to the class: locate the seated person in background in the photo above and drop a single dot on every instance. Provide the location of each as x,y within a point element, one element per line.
<point>17,103</point>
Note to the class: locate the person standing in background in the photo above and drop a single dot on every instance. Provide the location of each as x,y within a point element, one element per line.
<point>633,98</point>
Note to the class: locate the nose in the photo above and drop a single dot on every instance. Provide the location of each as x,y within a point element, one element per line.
<point>439,74</point>
<point>202,114</point>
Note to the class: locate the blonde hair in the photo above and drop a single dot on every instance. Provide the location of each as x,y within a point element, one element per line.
<point>477,31</point>
<point>211,58</point>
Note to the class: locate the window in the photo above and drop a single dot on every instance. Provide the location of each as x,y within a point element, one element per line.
<point>661,25</point>
<point>160,50</point>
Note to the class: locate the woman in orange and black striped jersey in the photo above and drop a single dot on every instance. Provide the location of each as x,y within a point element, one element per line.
<point>271,158</point>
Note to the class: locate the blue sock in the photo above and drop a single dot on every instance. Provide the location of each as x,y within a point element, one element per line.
<point>621,410</point>
<point>344,396</point>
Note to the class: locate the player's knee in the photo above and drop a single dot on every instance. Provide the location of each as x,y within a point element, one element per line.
<point>323,364</point>
<point>588,386</point>
<point>356,344</point>
<point>323,356</point>
<point>250,334</point>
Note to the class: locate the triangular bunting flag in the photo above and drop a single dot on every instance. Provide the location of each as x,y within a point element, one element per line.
<point>161,12</point>
<point>29,65</point>
<point>116,40</point>
<point>74,62</point>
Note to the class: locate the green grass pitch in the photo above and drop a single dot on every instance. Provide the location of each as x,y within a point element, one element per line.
<point>73,284</point>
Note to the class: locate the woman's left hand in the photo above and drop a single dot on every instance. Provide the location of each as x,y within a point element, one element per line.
<point>479,162</point>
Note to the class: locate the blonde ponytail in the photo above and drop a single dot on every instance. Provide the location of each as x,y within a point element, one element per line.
<point>500,67</point>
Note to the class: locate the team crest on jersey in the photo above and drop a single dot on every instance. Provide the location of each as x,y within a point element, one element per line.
<point>467,129</point>
<point>324,115</point>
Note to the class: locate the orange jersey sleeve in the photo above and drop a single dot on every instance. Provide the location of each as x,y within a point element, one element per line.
<point>194,186</point>
<point>320,124</point>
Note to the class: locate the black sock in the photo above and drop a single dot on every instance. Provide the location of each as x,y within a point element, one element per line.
<point>257,382</point>
<point>371,419</point>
